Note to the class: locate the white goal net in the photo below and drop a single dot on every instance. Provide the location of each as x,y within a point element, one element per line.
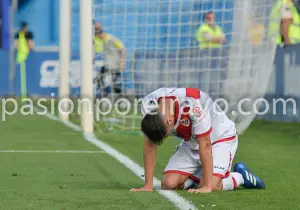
<point>162,51</point>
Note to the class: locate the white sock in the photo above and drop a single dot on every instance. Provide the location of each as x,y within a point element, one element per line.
<point>232,181</point>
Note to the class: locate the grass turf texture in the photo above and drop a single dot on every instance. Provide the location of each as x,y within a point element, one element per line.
<point>97,181</point>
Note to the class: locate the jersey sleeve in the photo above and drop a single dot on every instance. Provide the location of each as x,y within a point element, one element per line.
<point>201,121</point>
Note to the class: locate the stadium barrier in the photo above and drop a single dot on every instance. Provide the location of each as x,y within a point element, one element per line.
<point>284,84</point>
<point>42,74</point>
<point>43,77</point>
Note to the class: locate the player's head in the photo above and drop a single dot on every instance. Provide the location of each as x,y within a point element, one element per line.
<point>154,127</point>
<point>157,124</point>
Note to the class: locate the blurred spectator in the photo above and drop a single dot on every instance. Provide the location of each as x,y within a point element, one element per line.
<point>209,34</point>
<point>98,43</point>
<point>26,33</point>
<point>97,26</point>
<point>285,22</point>
<point>114,59</point>
<point>23,42</point>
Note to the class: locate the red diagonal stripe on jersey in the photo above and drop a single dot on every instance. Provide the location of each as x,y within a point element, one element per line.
<point>192,92</point>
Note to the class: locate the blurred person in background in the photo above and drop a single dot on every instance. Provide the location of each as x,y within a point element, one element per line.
<point>114,60</point>
<point>211,38</point>
<point>209,34</point>
<point>98,43</point>
<point>285,22</point>
<point>97,26</point>
<point>23,42</point>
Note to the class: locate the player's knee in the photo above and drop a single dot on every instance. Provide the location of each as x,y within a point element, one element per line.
<point>170,184</point>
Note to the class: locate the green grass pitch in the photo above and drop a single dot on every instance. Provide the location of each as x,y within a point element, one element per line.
<point>61,180</point>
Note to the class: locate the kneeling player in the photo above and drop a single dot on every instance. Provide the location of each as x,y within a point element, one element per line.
<point>209,143</point>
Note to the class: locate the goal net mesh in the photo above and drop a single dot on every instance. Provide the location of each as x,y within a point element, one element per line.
<point>162,51</point>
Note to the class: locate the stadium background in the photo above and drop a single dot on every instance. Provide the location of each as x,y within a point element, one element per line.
<point>89,181</point>
<point>43,17</point>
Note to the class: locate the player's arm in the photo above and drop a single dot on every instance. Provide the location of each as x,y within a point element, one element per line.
<point>205,152</point>
<point>149,103</point>
<point>149,164</point>
<point>202,129</point>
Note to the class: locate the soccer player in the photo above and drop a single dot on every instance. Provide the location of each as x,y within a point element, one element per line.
<point>209,143</point>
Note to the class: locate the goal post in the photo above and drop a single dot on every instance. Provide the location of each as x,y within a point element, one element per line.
<point>86,60</point>
<point>162,51</point>
<point>64,55</point>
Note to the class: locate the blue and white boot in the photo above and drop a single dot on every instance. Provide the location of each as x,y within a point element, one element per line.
<point>250,180</point>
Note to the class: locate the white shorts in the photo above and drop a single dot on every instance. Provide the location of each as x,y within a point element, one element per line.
<point>186,161</point>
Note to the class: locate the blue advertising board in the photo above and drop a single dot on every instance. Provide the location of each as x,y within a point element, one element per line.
<point>42,71</point>
<point>285,85</point>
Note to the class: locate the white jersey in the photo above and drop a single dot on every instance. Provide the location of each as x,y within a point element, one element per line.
<point>196,115</point>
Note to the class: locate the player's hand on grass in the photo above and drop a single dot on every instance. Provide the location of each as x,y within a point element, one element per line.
<point>142,189</point>
<point>204,189</point>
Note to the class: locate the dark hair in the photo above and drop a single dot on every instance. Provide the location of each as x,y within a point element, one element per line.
<point>154,127</point>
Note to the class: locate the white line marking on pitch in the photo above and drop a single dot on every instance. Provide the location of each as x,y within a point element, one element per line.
<point>52,151</point>
<point>180,202</point>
